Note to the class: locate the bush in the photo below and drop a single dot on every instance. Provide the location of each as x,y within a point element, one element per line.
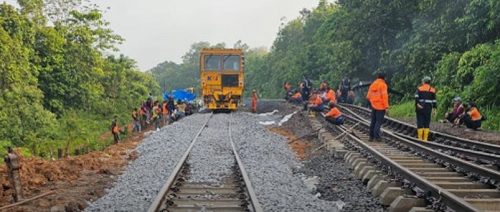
<point>403,110</point>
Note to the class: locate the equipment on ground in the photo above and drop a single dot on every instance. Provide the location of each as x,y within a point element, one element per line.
<point>222,78</point>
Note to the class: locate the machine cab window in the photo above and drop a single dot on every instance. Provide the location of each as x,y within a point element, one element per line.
<point>231,62</point>
<point>212,62</point>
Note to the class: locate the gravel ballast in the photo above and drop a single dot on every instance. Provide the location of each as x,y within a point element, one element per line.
<point>270,165</point>
<point>211,158</point>
<point>139,184</point>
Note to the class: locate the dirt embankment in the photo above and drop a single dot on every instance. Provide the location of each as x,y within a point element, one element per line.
<point>75,179</point>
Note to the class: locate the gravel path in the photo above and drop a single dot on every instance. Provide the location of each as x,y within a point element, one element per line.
<point>160,152</point>
<point>211,156</point>
<point>271,165</point>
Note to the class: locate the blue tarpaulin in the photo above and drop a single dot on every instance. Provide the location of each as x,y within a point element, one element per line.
<point>181,94</point>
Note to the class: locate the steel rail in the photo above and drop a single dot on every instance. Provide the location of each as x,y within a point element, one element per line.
<point>491,158</point>
<point>485,172</point>
<point>253,197</point>
<point>437,192</point>
<point>155,206</point>
<point>471,144</point>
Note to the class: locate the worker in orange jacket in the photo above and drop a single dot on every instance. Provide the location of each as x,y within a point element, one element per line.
<point>472,118</point>
<point>114,130</point>
<point>254,101</point>
<point>137,123</point>
<point>330,96</point>
<point>425,102</point>
<point>334,116</point>
<point>379,100</point>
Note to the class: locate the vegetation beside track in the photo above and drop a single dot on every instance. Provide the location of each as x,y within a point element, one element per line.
<point>60,87</point>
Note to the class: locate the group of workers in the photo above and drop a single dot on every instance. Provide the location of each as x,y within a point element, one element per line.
<point>161,113</point>
<point>344,93</point>
<point>378,98</point>
<point>425,106</point>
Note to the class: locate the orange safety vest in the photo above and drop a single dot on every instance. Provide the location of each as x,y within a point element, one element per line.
<point>254,102</point>
<point>316,101</point>
<point>330,95</point>
<point>334,112</point>
<point>164,109</point>
<point>377,95</point>
<point>474,114</point>
<point>115,128</point>
<point>297,95</point>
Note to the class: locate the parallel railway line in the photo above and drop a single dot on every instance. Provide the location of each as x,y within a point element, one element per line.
<point>231,192</point>
<point>436,172</point>
<point>434,136</point>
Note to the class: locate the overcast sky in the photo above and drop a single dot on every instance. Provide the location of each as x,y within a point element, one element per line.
<point>159,30</point>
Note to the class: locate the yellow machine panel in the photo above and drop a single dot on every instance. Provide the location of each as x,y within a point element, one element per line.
<point>222,78</point>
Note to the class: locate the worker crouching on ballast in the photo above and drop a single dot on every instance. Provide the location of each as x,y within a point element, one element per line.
<point>334,116</point>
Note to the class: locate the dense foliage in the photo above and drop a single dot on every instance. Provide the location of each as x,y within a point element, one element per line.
<point>456,42</point>
<point>58,87</point>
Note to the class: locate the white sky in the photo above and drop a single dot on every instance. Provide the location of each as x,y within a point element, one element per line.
<point>159,30</point>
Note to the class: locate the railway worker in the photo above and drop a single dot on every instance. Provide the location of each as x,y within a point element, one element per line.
<point>114,130</point>
<point>164,113</point>
<point>143,115</point>
<point>170,104</point>
<point>315,103</point>
<point>296,98</point>
<point>334,116</point>
<point>254,101</point>
<point>322,86</point>
<point>458,109</point>
<point>345,86</point>
<point>425,104</point>
<point>306,87</point>
<point>350,97</point>
<point>288,91</point>
<point>379,101</point>
<point>330,96</point>
<point>156,115</point>
<point>472,118</point>
<point>339,94</point>
<point>135,117</point>
<point>181,109</point>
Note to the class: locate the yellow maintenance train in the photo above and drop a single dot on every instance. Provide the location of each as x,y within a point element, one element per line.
<point>222,78</point>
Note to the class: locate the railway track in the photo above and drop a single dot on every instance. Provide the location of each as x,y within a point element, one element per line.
<point>437,137</point>
<point>228,188</point>
<point>400,168</point>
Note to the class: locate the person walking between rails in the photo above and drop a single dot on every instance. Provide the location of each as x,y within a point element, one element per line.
<point>334,116</point>
<point>114,130</point>
<point>137,124</point>
<point>425,103</point>
<point>254,101</point>
<point>379,100</point>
